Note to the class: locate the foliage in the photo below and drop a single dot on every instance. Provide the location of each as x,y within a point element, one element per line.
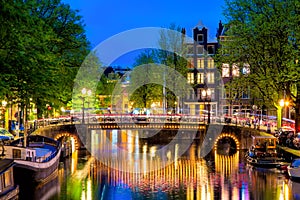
<point>142,92</point>
<point>171,54</point>
<point>42,46</point>
<point>265,35</point>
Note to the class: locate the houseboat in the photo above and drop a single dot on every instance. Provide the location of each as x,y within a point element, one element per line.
<point>263,152</point>
<point>36,157</point>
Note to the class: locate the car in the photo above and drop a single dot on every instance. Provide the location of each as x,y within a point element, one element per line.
<point>5,135</point>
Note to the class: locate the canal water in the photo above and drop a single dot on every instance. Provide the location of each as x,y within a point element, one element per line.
<point>129,168</point>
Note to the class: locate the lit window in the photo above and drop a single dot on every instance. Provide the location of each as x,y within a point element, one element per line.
<point>190,77</point>
<point>235,70</point>
<point>225,70</point>
<point>210,77</point>
<point>200,78</point>
<point>210,64</point>
<point>200,63</point>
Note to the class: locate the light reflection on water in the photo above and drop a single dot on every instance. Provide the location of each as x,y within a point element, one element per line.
<point>143,174</point>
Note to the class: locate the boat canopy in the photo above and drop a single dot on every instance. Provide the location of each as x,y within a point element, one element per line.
<point>264,142</point>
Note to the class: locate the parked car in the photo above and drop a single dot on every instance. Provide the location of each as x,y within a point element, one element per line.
<point>5,135</point>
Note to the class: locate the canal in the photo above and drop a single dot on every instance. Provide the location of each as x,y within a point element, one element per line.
<point>130,168</point>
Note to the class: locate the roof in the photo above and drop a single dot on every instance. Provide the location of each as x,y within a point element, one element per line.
<point>263,137</point>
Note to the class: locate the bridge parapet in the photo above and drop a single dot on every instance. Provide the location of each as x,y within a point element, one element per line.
<point>242,134</point>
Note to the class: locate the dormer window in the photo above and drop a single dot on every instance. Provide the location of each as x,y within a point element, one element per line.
<point>200,38</point>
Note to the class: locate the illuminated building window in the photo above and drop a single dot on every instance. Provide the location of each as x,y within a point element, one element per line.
<point>210,64</point>
<point>200,63</point>
<point>235,70</point>
<point>225,70</point>
<point>200,78</point>
<point>190,77</point>
<point>210,77</point>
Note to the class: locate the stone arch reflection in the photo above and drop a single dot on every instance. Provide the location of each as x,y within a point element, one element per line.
<point>190,176</point>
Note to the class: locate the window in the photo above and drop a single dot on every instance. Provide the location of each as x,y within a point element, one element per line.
<point>190,49</point>
<point>200,38</point>
<point>210,64</point>
<point>225,110</point>
<point>246,69</point>
<point>200,63</point>
<point>8,178</point>
<point>225,93</point>
<point>235,70</point>
<point>16,153</point>
<point>225,70</point>
<point>200,78</point>
<point>246,94</point>
<point>190,77</point>
<point>190,64</point>
<point>199,93</point>
<point>211,49</point>
<point>210,77</point>
<point>200,50</point>
<point>191,94</point>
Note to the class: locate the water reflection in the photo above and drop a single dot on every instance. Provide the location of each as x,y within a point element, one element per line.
<point>142,173</point>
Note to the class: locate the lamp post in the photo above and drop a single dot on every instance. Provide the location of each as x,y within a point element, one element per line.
<point>84,92</point>
<point>206,95</point>
<point>89,93</point>
<point>4,103</point>
<point>282,103</point>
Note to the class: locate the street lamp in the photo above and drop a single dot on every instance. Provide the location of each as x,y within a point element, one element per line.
<point>282,103</point>
<point>206,94</point>
<point>4,103</point>
<point>84,92</point>
<point>89,93</point>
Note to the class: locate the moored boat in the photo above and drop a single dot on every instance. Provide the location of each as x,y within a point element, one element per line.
<point>8,188</point>
<point>36,157</point>
<point>294,169</point>
<point>263,152</point>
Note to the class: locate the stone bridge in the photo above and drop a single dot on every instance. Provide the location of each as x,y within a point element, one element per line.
<point>164,132</point>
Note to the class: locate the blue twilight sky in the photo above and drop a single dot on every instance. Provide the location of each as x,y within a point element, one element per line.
<point>104,19</point>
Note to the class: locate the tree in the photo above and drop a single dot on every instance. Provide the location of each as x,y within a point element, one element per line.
<point>148,92</point>
<point>42,46</point>
<point>264,35</point>
<point>172,53</point>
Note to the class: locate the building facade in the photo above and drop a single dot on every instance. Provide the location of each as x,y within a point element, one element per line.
<point>202,74</point>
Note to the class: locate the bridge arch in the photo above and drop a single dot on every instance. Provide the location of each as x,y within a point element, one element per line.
<point>67,134</point>
<point>228,135</point>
